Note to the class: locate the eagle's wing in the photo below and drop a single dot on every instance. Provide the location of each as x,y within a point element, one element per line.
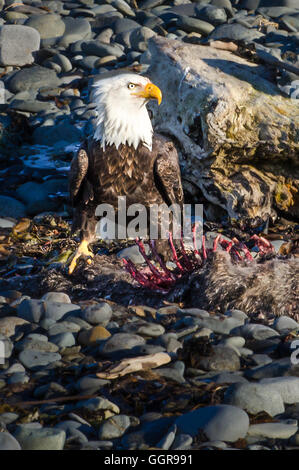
<point>168,174</point>
<point>78,171</point>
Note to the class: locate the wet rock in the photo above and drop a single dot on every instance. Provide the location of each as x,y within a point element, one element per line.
<point>220,422</point>
<point>17,43</point>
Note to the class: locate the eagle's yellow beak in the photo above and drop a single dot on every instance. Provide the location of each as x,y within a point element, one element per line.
<point>150,91</point>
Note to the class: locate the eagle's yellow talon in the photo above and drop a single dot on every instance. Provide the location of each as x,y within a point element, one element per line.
<point>81,251</point>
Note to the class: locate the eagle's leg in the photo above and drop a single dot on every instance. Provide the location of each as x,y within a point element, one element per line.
<point>82,250</point>
<point>85,221</point>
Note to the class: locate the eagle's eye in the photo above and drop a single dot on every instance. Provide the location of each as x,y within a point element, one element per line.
<point>131,86</point>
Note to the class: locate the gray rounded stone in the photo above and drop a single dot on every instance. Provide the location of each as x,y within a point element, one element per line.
<point>211,14</point>
<point>153,330</point>
<point>221,325</point>
<point>32,438</point>
<point>287,387</point>
<point>58,310</point>
<point>63,340</point>
<point>100,49</point>
<point>97,314</point>
<point>114,427</point>
<point>33,78</point>
<point>194,25</point>
<point>32,359</point>
<point>132,253</point>
<point>222,358</point>
<point>60,297</point>
<point>50,27</point>
<point>90,383</point>
<point>220,422</point>
<point>139,38</point>
<point>8,346</point>
<point>166,442</point>
<point>31,310</point>
<point>36,345</point>
<point>272,430</point>
<point>122,25</point>
<point>120,342</point>
<point>17,42</point>
<point>235,32</point>
<point>6,223</point>
<point>10,207</point>
<point>61,132</point>
<point>18,378</point>
<point>63,327</point>
<point>182,442</point>
<point>254,398</point>
<point>284,323</point>
<point>8,442</point>
<point>254,331</point>
<point>76,29</point>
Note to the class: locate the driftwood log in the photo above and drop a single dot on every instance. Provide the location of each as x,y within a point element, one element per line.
<point>238,136</point>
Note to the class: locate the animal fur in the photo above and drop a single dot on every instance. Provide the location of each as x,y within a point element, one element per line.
<point>269,287</point>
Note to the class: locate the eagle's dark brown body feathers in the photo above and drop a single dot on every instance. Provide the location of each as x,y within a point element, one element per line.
<point>144,176</point>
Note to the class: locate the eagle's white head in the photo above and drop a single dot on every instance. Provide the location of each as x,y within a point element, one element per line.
<point>122,115</point>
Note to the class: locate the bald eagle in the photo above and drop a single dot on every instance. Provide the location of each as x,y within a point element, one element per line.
<point>124,157</point>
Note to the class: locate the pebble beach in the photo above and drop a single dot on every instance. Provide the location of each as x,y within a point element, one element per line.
<point>69,378</point>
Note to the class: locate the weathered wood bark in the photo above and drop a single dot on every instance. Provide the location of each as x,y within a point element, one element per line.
<point>239,137</point>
